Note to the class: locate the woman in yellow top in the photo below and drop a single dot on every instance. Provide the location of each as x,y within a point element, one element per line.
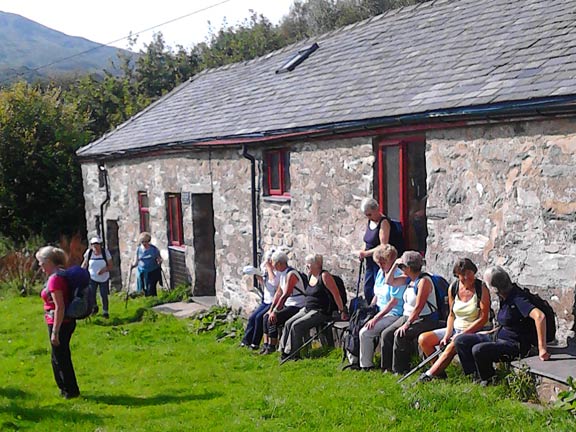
<point>469,301</point>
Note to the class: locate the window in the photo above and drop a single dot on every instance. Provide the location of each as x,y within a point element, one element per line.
<point>144,211</point>
<point>277,173</point>
<point>174,214</point>
<point>298,58</point>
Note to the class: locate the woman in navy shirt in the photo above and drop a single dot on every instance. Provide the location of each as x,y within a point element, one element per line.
<point>522,325</point>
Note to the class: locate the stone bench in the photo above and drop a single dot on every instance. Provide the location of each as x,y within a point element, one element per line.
<point>552,375</point>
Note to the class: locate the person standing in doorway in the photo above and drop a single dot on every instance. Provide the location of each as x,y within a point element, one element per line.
<point>98,261</point>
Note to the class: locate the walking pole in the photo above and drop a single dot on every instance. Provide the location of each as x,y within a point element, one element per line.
<point>168,287</point>
<point>308,342</point>
<point>423,363</point>
<point>128,287</point>
<point>358,287</point>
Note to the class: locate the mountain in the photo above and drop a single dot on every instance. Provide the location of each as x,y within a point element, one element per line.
<point>33,51</point>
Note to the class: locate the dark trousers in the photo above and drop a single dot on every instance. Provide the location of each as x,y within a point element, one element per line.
<point>103,287</point>
<point>281,317</point>
<point>62,360</point>
<point>369,278</point>
<point>255,327</point>
<point>478,352</point>
<point>396,350</point>
<point>149,281</point>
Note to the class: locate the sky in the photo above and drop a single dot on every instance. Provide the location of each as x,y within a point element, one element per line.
<point>105,21</point>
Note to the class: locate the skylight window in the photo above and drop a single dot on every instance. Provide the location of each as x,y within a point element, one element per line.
<point>302,55</point>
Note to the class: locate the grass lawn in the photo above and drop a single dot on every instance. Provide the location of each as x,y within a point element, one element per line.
<point>144,372</point>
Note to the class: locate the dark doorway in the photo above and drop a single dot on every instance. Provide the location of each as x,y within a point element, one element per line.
<point>401,186</point>
<point>204,248</point>
<point>114,249</point>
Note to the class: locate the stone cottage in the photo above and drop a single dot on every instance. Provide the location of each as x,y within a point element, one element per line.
<point>459,116</point>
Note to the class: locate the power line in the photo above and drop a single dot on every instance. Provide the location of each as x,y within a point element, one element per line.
<point>36,69</point>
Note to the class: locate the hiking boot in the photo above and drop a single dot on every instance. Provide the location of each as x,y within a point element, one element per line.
<point>242,345</point>
<point>254,347</point>
<point>264,349</point>
<point>441,376</point>
<point>423,378</point>
<point>270,349</point>
<point>105,315</point>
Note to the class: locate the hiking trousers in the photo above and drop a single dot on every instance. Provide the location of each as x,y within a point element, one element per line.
<point>282,316</point>
<point>62,360</point>
<point>104,288</point>
<point>368,339</point>
<point>297,329</point>
<point>255,326</point>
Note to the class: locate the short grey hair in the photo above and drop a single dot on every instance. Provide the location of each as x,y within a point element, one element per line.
<point>314,258</point>
<point>499,279</point>
<point>144,237</point>
<point>369,204</point>
<point>53,254</point>
<point>280,257</point>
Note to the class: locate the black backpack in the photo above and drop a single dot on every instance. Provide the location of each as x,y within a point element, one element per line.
<point>545,307</point>
<point>80,292</point>
<point>351,338</point>
<point>333,307</point>
<point>478,284</point>
<point>396,237</point>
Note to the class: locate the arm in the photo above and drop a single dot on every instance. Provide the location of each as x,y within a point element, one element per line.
<point>540,320</point>
<point>371,323</point>
<point>281,296</point>
<point>450,321</point>
<point>392,280</point>
<point>108,261</point>
<point>383,234</point>
<point>158,257</point>
<point>58,299</point>
<point>330,283</point>
<point>424,290</point>
<point>85,260</point>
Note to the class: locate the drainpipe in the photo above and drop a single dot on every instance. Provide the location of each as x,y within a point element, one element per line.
<point>104,172</point>
<point>253,196</point>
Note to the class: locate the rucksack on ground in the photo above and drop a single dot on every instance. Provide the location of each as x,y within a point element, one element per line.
<point>546,308</point>
<point>441,287</point>
<point>81,298</point>
<point>351,338</point>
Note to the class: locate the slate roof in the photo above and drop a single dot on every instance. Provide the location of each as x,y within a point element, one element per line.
<point>436,55</point>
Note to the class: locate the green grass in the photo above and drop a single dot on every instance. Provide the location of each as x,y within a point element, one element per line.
<point>143,372</point>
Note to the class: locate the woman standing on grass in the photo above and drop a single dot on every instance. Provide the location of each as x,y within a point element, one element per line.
<point>56,296</point>
<point>148,261</point>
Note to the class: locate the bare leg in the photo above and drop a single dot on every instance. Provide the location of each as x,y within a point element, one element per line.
<point>428,342</point>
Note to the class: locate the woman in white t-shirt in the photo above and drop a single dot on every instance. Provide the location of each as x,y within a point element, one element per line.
<point>99,264</point>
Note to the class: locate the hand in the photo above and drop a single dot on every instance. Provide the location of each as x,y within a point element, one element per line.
<point>102,271</point>
<point>402,330</point>
<point>543,354</point>
<point>272,318</point>
<point>370,324</point>
<point>362,254</point>
<point>445,341</point>
<point>344,316</point>
<point>54,340</point>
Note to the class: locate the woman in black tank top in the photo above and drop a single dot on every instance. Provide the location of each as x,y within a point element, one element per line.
<point>320,288</point>
<point>377,233</point>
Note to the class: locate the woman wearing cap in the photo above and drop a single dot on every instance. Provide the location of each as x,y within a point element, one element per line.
<point>148,261</point>
<point>469,302</point>
<point>255,327</point>
<point>420,314</point>
<point>522,325</point>
<point>99,263</point>
<point>55,296</point>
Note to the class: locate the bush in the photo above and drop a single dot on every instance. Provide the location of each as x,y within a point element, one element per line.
<point>520,384</point>
<point>567,399</point>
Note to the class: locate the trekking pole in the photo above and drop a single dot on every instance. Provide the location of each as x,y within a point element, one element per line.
<point>168,287</point>
<point>358,287</point>
<point>128,287</point>
<point>308,342</point>
<point>423,363</point>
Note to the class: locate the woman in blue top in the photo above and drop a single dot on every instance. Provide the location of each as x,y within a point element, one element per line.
<point>388,298</point>
<point>148,261</point>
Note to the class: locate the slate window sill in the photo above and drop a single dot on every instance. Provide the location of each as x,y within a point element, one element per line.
<point>277,199</point>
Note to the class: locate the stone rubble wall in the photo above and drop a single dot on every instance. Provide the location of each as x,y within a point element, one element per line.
<point>505,194</point>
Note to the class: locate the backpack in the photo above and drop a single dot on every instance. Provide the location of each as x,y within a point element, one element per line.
<point>304,279</point>
<point>82,299</point>
<point>478,288</point>
<point>351,338</point>
<point>546,308</point>
<point>333,307</point>
<point>396,237</point>
<point>103,256</point>
<point>441,286</point>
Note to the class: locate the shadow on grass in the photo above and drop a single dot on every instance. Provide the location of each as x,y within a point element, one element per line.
<point>13,393</point>
<point>161,399</point>
<point>135,316</point>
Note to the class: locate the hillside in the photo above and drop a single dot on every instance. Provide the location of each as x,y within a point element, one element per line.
<point>26,45</point>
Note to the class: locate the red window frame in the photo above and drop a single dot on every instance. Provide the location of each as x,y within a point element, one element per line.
<point>143,212</point>
<point>282,171</point>
<point>175,224</point>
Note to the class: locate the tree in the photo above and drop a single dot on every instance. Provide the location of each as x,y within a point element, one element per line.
<point>40,179</point>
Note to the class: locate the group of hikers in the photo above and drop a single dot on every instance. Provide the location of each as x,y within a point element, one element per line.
<point>402,310</point>
<point>401,300</point>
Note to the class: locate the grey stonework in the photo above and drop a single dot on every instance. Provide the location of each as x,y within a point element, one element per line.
<point>505,194</point>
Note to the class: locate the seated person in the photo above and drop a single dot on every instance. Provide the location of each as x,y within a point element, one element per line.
<point>419,314</point>
<point>522,325</point>
<point>255,326</point>
<point>389,300</point>
<point>469,302</point>
<point>316,309</point>
<point>288,300</point>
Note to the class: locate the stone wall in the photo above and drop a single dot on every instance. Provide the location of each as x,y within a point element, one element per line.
<point>505,194</point>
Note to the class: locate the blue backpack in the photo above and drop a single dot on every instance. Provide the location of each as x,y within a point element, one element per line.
<point>441,287</point>
<point>81,297</point>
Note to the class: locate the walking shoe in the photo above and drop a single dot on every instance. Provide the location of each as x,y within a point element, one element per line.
<point>270,349</point>
<point>423,378</point>
<point>264,349</point>
<point>105,315</point>
<point>242,345</point>
<point>254,347</point>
